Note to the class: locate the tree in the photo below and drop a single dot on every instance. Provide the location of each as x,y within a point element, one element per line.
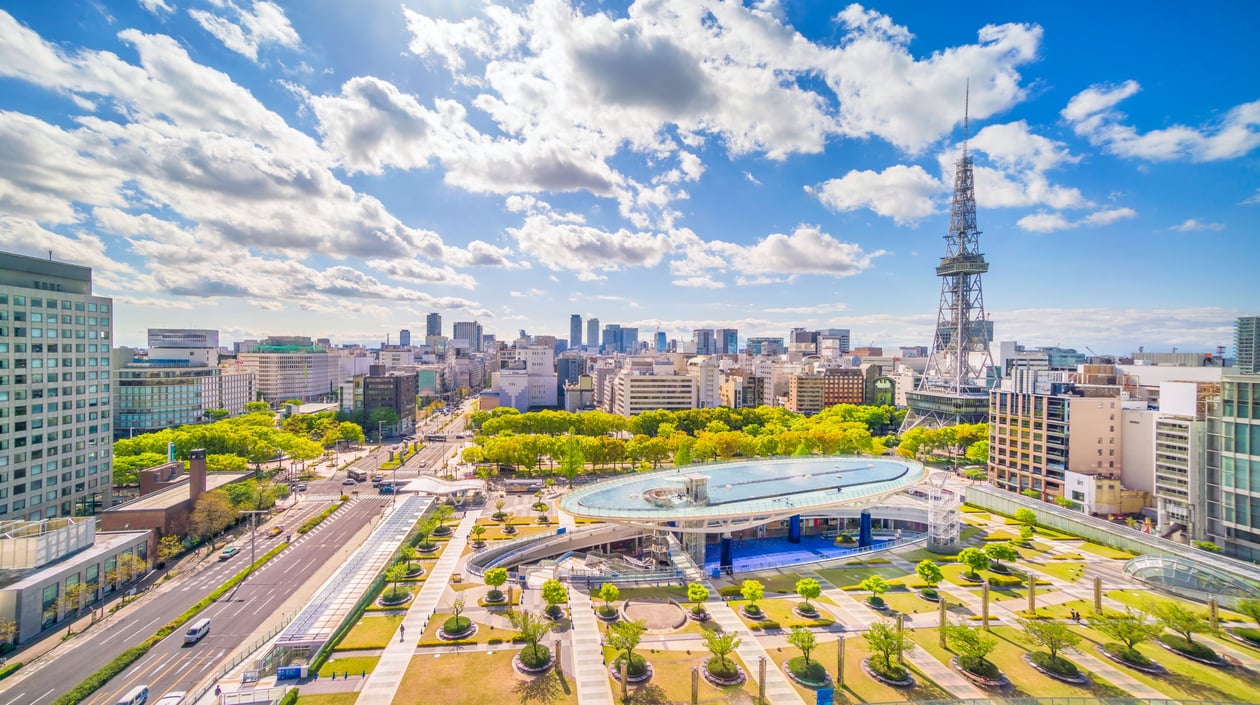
<point>998,551</point>
<point>697,593</point>
<point>8,630</point>
<point>929,572</point>
<point>624,636</point>
<point>877,587</point>
<point>478,531</point>
<point>1179,618</point>
<point>752,590</point>
<point>1054,636</point>
<point>1065,502</point>
<point>978,452</point>
<point>573,462</point>
<point>1249,607</point>
<point>169,547</point>
<point>885,640</point>
<point>1128,629</point>
<point>972,646</point>
<point>255,407</point>
<point>128,567</point>
<point>1025,515</point>
<point>393,575</point>
<point>804,640</point>
<point>72,598</point>
<point>217,414</point>
<point>408,554</point>
<point>495,578</point>
<point>212,514</point>
<point>531,627</point>
<point>721,644</point>
<point>608,592</point>
<point>554,594</point>
<point>498,508</point>
<point>1025,534</point>
<point>457,624</point>
<point>808,588</point>
<point>975,560</point>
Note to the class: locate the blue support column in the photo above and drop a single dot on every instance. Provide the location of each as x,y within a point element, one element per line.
<point>864,533</point>
<point>794,529</point>
<point>726,556</point>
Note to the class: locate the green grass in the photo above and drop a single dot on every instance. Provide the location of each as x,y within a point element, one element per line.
<point>1105,551</point>
<point>1070,571</point>
<point>671,679</point>
<point>485,634</point>
<point>920,554</point>
<point>354,665</point>
<point>1139,599</point>
<point>447,678</point>
<point>779,611</point>
<point>861,688</point>
<point>844,577</point>
<point>371,633</point>
<point>329,699</point>
<point>646,593</point>
<point>910,603</point>
<point>780,582</point>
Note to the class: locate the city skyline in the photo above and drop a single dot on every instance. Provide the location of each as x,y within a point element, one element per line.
<point>309,169</point>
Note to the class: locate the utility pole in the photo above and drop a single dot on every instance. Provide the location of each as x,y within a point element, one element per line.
<point>253,536</point>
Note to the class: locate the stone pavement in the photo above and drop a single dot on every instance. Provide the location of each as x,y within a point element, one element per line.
<point>382,684</point>
<point>779,691</point>
<point>589,671</point>
<point>1104,668</point>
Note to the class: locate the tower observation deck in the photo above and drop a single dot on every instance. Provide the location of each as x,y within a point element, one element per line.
<point>955,384</point>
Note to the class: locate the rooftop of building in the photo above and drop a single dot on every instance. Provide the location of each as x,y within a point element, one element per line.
<point>105,544</point>
<point>168,497</point>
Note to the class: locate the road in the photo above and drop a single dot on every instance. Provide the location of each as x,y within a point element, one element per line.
<point>169,666</point>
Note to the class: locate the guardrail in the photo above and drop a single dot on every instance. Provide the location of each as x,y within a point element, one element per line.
<point>748,566</point>
<point>506,550</point>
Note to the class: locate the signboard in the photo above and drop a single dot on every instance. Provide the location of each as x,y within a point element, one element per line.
<point>286,672</point>
<point>825,696</point>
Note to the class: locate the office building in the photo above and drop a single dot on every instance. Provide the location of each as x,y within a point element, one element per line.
<point>1233,453</point>
<point>1247,345</point>
<point>183,338</point>
<point>470,333</point>
<point>765,346</point>
<point>726,340</point>
<point>660,343</point>
<point>404,337</point>
<point>705,340</point>
<point>645,384</point>
<point>175,386</point>
<point>395,391</point>
<point>56,421</point>
<point>291,367</point>
<point>575,331</point>
<point>592,333</point>
<point>433,325</point>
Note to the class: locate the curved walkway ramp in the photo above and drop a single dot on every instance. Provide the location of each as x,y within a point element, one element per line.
<point>535,548</point>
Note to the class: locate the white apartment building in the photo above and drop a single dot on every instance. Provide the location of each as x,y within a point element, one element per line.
<point>56,425</point>
<point>645,384</point>
<point>706,371</point>
<point>529,380</point>
<point>292,368</point>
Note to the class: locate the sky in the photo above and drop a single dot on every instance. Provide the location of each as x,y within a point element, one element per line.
<point>341,169</point>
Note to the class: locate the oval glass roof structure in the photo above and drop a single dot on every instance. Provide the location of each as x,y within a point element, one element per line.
<point>746,492</point>
<point>1179,575</point>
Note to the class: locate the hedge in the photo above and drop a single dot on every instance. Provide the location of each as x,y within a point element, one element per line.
<point>92,683</point>
<point>9,670</point>
<point>290,698</point>
<point>316,520</point>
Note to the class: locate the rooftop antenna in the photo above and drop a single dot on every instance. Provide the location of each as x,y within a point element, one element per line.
<point>966,115</point>
<point>50,255</point>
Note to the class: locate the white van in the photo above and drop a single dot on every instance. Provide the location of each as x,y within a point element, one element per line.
<point>197,630</point>
<point>138,695</point>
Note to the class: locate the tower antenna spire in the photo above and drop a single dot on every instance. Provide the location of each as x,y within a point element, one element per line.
<point>966,116</point>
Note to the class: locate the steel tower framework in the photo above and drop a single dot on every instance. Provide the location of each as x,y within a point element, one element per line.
<point>955,384</point>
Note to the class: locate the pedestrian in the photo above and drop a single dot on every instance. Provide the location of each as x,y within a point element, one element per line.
<point>401,631</point>
<point>218,691</point>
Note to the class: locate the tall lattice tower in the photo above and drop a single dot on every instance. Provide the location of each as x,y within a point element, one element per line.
<point>955,385</point>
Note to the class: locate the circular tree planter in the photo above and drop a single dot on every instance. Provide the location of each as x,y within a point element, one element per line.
<point>800,611</point>
<point>426,547</point>
<point>722,682</point>
<point>701,616</point>
<point>479,544</point>
<point>1217,662</point>
<point>906,682</point>
<point>615,669</point>
<point>495,597</point>
<point>1152,668</point>
<point>1079,679</point>
<point>759,615</point>
<point>787,669</point>
<point>509,529</point>
<point>983,681</point>
<point>416,572</point>
<point>442,530</point>
<point>608,616</point>
<point>393,603</point>
<point>880,607</point>
<point>519,665</point>
<point>468,633</point>
<point>1246,640</point>
<point>929,598</point>
<point>968,579</point>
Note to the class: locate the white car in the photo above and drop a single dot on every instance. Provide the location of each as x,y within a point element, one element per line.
<point>172,698</point>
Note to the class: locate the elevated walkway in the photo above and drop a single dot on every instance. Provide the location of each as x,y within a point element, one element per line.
<point>532,549</point>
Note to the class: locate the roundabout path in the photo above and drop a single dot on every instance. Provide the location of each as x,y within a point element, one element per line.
<point>382,684</point>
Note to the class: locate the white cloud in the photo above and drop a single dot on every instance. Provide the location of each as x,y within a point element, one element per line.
<point>248,29</point>
<point>903,193</point>
<point>415,270</point>
<point>157,7</point>
<point>583,248</point>
<point>1091,114</point>
<point>751,179</point>
<point>699,282</point>
<point>1051,222</point>
<point>1251,200</point>
<point>806,251</point>
<point>1191,225</point>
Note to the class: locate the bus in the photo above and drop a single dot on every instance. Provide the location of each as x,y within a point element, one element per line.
<point>522,486</point>
<point>435,437</point>
<point>356,474</point>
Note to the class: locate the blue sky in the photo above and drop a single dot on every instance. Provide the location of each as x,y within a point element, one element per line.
<point>341,169</point>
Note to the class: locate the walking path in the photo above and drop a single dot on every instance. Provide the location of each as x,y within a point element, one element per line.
<point>1115,676</point>
<point>382,684</point>
<point>589,671</point>
<point>779,691</point>
<point>944,676</point>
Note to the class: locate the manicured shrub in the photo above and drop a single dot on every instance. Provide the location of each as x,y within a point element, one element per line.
<point>457,625</point>
<point>1054,664</point>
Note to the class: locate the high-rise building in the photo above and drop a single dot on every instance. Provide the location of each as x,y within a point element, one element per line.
<point>469,332</point>
<point>705,340</point>
<point>661,343</point>
<point>592,333</point>
<point>955,385</point>
<point>56,433</point>
<point>183,338</point>
<point>726,340</point>
<point>291,367</point>
<point>575,331</point>
<point>433,325</point>
<point>404,337</point>
<point>1247,345</point>
<point>765,346</point>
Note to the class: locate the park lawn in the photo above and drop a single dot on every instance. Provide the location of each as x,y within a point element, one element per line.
<point>824,653</point>
<point>779,610</point>
<point>329,698</point>
<point>485,634</point>
<point>1105,551</point>
<point>910,603</point>
<point>354,665</point>
<point>371,633</point>
<point>954,571</point>
<point>846,577</point>
<point>1067,557</point>
<point>1001,535</point>
<point>1185,678</point>
<point>449,677</point>
<point>494,530</point>
<point>1071,571</point>
<point>861,688</point>
<point>974,522</point>
<point>1138,599</point>
<point>920,554</point>
<point>779,582</point>
<point>965,534</point>
<point>671,678</point>
<point>1017,593</point>
<point>669,592</point>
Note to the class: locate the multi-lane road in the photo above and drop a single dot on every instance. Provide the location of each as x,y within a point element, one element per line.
<point>171,666</point>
